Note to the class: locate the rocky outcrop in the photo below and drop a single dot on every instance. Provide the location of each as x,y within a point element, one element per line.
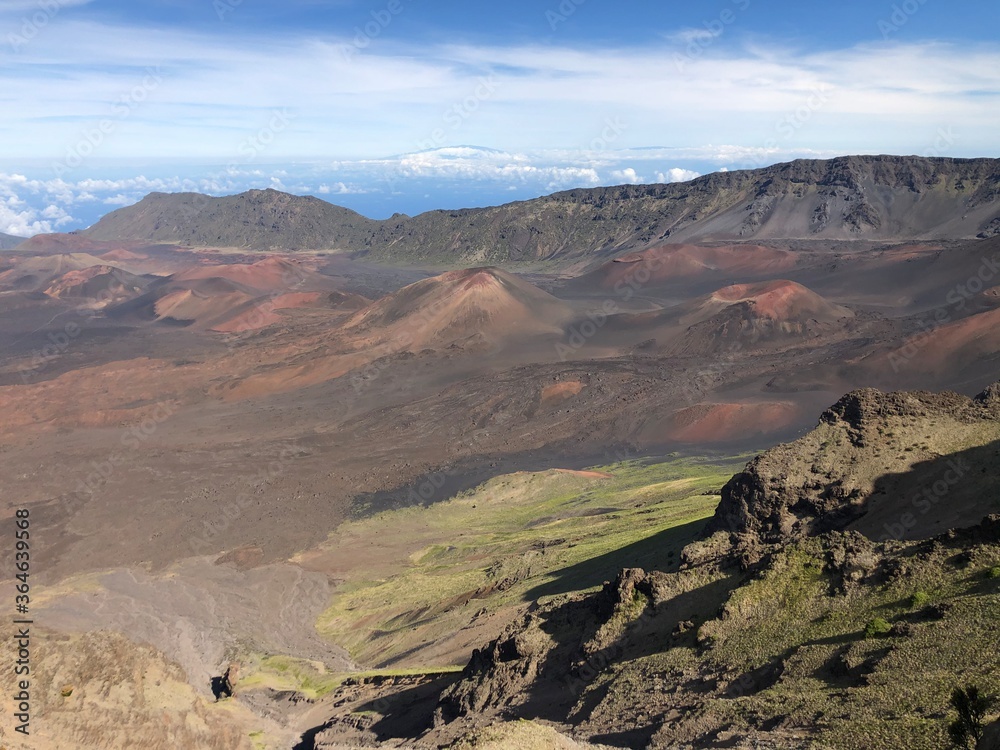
<point>824,480</point>
<point>548,656</point>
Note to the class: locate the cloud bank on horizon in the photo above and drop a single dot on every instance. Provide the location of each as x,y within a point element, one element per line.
<point>107,100</point>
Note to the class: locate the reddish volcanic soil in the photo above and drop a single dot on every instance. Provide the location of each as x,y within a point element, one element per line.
<point>36,272</point>
<point>351,402</point>
<point>477,311</point>
<point>759,316</point>
<point>722,423</point>
<point>229,416</point>
<point>103,283</point>
<point>70,243</point>
<point>261,313</point>
<point>969,346</point>
<point>237,297</point>
<point>483,302</point>
<point>266,275</point>
<point>668,263</point>
<point>553,394</point>
<point>780,301</point>
<point>193,306</point>
<point>115,393</point>
<point>122,256</point>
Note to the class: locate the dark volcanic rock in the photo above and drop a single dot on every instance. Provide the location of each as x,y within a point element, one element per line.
<point>823,481</point>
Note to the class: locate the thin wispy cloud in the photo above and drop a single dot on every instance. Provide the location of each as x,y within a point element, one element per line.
<point>342,86</point>
<point>391,100</point>
<point>695,36</point>
<point>36,6</point>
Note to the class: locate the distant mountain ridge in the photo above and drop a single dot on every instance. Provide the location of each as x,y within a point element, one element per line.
<point>883,198</point>
<point>256,219</point>
<point>8,241</point>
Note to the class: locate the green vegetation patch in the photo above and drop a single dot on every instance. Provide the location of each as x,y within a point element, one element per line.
<point>289,673</point>
<point>415,577</point>
<point>874,666</point>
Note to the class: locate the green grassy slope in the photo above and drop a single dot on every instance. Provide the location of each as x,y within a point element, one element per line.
<point>414,578</point>
<point>789,656</point>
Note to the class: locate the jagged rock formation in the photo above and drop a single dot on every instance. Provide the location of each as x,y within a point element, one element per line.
<point>696,659</point>
<point>547,657</point>
<point>837,475</point>
<point>699,659</point>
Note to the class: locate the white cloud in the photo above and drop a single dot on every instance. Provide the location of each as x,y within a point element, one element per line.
<point>25,222</point>
<point>56,214</point>
<point>469,163</point>
<point>627,175</point>
<point>31,206</point>
<point>338,188</point>
<point>687,36</point>
<point>884,97</point>
<point>677,175</point>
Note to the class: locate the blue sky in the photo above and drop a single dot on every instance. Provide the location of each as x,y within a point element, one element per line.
<point>405,105</point>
